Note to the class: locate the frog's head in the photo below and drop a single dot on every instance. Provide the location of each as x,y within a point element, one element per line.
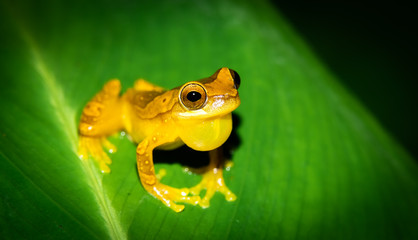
<point>204,109</point>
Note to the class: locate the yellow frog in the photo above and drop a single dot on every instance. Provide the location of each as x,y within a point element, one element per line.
<point>197,114</point>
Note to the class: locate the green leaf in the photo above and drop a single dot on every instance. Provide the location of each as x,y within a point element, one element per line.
<point>311,163</point>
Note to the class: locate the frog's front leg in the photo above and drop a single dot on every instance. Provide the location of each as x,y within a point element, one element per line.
<point>213,179</point>
<point>166,194</point>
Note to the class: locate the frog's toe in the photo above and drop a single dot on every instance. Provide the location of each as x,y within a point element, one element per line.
<point>176,207</point>
<point>193,200</point>
<point>83,153</point>
<point>103,161</point>
<point>196,189</point>
<point>170,196</point>
<point>213,182</point>
<point>96,151</point>
<point>174,192</point>
<point>90,146</point>
<point>108,145</point>
<point>104,168</point>
<point>229,196</point>
<point>205,202</point>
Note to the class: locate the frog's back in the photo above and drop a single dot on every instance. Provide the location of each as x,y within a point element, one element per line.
<point>148,100</point>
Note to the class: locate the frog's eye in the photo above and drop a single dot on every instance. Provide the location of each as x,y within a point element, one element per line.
<point>235,76</point>
<point>193,96</point>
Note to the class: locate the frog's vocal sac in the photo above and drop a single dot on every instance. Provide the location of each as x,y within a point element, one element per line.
<point>197,114</point>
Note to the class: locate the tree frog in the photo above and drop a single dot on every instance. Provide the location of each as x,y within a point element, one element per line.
<point>197,114</point>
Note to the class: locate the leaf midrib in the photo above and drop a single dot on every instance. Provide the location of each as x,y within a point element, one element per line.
<point>63,114</point>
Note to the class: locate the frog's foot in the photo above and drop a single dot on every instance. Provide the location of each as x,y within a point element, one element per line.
<point>169,195</point>
<point>212,181</point>
<point>93,146</point>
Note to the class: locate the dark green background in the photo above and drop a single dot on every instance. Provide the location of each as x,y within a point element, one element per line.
<point>372,48</point>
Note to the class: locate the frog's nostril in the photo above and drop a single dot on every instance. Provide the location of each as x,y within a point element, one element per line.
<point>235,76</point>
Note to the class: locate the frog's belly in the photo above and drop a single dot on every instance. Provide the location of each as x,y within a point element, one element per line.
<point>138,136</point>
<point>143,128</point>
<point>172,145</point>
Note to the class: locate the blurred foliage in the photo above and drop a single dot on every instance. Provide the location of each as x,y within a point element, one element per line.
<point>372,50</point>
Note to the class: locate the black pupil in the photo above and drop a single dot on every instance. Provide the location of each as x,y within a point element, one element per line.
<point>193,96</point>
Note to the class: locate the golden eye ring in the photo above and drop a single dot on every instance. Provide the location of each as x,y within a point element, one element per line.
<point>193,96</point>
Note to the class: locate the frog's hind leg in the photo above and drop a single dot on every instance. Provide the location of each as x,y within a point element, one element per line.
<point>143,85</point>
<point>102,116</point>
